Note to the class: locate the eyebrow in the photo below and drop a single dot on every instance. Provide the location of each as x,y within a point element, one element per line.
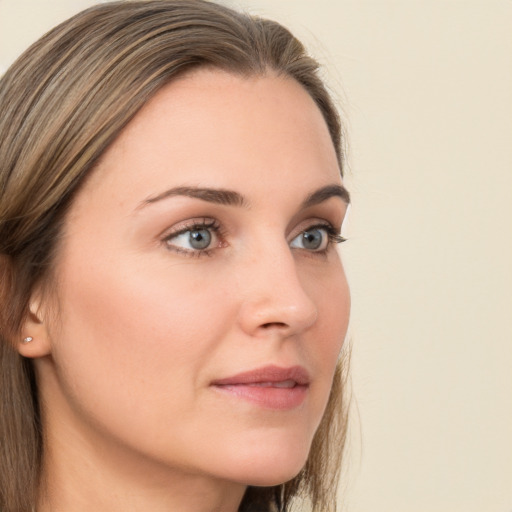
<point>232,198</point>
<point>325,193</point>
<point>211,195</point>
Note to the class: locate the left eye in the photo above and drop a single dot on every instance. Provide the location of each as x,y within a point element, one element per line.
<point>312,239</point>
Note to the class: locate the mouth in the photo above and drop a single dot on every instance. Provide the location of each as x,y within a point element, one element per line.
<point>270,387</point>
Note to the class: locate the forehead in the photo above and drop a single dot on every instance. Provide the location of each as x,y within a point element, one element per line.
<point>218,129</point>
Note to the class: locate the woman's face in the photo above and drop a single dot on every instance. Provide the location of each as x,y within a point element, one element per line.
<point>201,300</point>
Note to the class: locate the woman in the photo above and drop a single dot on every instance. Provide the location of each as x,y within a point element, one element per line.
<point>173,306</point>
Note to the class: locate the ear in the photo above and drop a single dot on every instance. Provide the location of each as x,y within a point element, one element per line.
<point>34,341</point>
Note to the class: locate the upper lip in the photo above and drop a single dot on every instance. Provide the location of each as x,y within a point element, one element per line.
<point>269,374</point>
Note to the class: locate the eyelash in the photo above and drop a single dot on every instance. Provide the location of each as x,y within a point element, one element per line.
<point>210,224</point>
<point>332,233</point>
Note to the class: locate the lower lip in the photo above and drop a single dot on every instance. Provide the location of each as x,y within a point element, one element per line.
<point>268,397</point>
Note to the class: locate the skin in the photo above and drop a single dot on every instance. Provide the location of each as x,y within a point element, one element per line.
<point>145,323</point>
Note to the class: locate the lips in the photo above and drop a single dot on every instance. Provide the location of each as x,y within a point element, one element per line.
<point>270,387</point>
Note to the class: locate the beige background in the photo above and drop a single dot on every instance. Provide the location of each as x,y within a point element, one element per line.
<point>426,92</point>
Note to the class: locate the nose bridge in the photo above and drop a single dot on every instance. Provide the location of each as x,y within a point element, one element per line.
<point>274,297</point>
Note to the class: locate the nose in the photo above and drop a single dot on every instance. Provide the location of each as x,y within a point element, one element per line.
<point>274,299</point>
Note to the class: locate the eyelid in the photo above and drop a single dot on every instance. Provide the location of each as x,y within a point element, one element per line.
<point>189,224</point>
<point>313,223</point>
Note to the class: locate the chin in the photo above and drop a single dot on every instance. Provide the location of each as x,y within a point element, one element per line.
<point>273,478</point>
<point>271,468</point>
<point>277,475</point>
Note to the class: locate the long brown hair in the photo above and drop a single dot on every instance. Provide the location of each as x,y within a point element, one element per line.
<point>62,103</point>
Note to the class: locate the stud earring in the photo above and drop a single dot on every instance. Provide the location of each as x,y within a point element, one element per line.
<point>28,339</point>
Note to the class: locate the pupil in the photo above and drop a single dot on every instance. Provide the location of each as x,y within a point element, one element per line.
<point>200,238</point>
<point>312,239</point>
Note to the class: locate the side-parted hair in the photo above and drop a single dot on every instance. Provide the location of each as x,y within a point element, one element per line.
<point>62,103</point>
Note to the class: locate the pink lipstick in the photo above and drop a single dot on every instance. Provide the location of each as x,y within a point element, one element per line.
<point>270,387</point>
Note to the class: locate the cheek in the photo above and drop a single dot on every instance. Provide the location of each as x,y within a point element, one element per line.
<point>138,335</point>
<point>332,296</point>
<point>337,307</point>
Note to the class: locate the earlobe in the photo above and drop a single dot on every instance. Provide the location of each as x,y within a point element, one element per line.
<point>34,341</point>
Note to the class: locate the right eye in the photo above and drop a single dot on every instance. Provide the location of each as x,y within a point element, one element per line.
<point>196,239</point>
